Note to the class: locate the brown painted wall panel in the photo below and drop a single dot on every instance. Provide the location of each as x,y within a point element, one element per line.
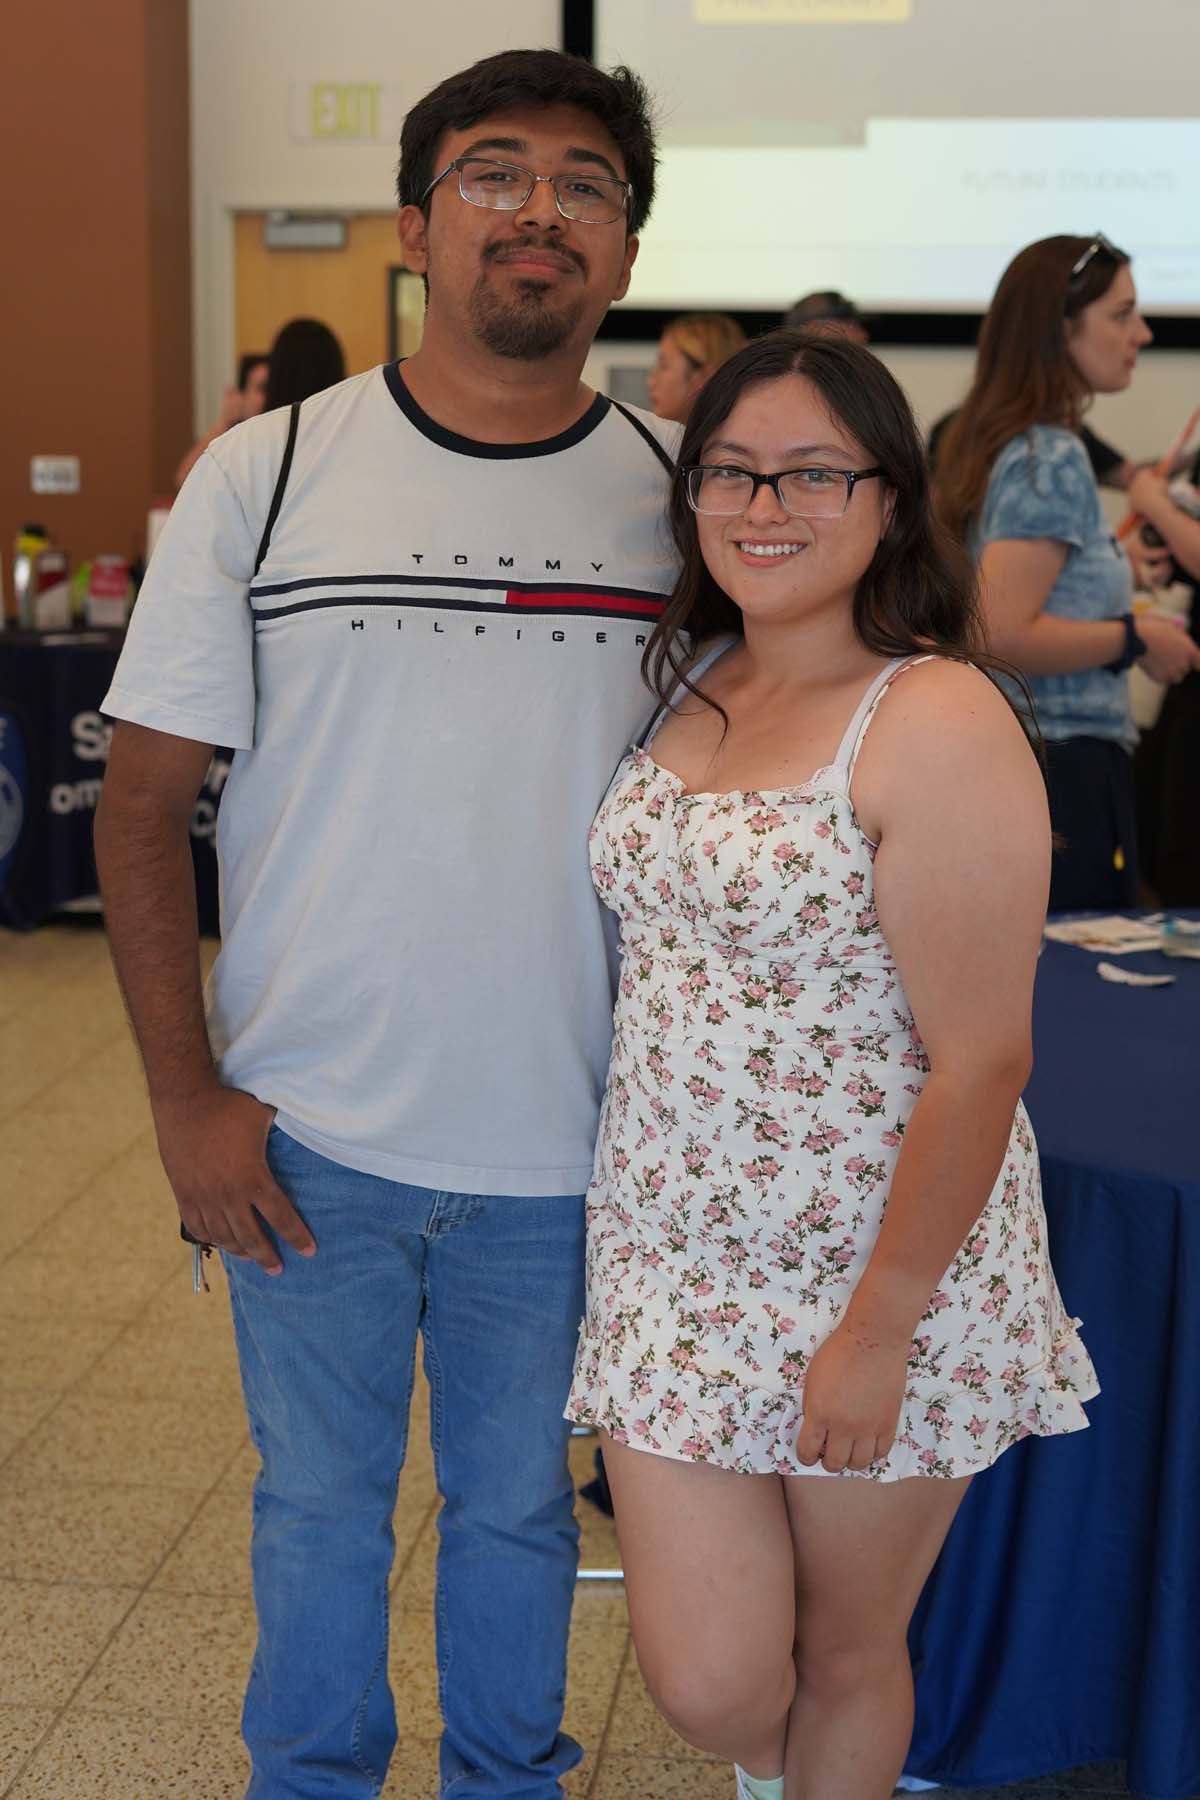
<point>170,236</point>
<point>90,307</point>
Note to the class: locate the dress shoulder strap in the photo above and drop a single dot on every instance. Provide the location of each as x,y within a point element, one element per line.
<point>698,668</point>
<point>860,724</point>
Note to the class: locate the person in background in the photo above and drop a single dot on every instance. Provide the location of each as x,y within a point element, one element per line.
<point>690,349</point>
<point>240,402</point>
<point>252,381</point>
<point>831,314</point>
<point>305,359</point>
<point>1111,468</point>
<point>1013,480</point>
<point>1150,498</point>
<point>1167,761</point>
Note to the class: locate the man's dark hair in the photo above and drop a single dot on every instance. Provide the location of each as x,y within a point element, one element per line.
<point>813,309</point>
<point>526,79</point>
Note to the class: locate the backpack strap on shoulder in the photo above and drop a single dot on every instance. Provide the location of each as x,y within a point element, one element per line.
<point>285,468</point>
<point>645,432</point>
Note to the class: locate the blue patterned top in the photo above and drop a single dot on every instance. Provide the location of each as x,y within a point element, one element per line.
<point>1042,486</point>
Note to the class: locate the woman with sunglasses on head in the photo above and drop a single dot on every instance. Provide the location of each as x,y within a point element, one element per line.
<point>1014,480</point>
<point>690,350</point>
<point>823,1013</point>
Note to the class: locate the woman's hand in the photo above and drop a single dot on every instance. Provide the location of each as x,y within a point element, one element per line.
<point>853,1392</point>
<point>1170,652</point>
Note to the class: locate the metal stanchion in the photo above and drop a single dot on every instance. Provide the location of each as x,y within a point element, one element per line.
<point>582,1431</point>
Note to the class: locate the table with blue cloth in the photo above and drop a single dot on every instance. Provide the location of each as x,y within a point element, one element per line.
<point>53,752</point>
<point>1061,1624</point>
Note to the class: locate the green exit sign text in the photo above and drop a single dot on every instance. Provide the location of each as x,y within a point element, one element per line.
<point>345,112</point>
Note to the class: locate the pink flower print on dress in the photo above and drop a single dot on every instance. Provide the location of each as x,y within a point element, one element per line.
<point>739,890</point>
<point>762,820</point>
<point>762,1170</point>
<point>824,1137</point>
<point>754,964</point>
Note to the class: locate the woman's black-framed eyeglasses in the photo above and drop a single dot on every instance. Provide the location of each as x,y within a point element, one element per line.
<point>813,493</point>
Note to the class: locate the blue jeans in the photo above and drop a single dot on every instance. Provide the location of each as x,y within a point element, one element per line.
<point>327,1352</point>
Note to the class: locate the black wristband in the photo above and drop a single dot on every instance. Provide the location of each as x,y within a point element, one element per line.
<point>1135,646</point>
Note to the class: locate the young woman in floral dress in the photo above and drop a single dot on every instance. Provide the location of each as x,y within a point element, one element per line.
<point>819,1299</point>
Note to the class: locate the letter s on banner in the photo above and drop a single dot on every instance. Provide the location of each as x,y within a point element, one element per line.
<point>91,737</point>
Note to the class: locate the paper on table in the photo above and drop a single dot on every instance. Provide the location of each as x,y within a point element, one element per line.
<point>1129,978</point>
<point>1181,937</point>
<point>1115,932</point>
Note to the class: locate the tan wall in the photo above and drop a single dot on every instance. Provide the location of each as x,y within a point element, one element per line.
<point>95,319</point>
<point>347,289</point>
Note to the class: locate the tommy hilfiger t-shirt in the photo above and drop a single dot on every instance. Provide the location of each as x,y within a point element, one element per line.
<point>428,685</point>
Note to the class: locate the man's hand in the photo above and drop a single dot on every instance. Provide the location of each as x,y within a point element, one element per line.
<point>213,1150</point>
<point>853,1392</point>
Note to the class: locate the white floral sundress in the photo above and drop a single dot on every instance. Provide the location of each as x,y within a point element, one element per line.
<point>765,1063</point>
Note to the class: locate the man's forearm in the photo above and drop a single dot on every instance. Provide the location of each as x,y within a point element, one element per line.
<point>149,892</point>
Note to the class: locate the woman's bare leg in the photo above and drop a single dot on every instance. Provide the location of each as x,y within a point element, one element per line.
<point>710,1579</point>
<point>862,1552</point>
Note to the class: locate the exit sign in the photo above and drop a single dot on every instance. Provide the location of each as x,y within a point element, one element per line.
<point>345,112</point>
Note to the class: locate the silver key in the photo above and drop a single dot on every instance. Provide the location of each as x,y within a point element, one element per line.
<point>199,1279</point>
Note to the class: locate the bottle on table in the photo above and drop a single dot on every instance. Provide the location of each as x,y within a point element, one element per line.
<point>31,541</point>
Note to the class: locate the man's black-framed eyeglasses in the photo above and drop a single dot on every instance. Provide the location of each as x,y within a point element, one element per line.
<point>506,187</point>
<point>814,493</point>
<point>1098,243</point>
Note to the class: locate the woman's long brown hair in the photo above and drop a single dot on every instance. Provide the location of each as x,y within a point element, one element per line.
<point>919,592</point>
<point>1023,374</point>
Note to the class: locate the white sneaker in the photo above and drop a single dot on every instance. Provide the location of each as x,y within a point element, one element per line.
<point>757,1787</point>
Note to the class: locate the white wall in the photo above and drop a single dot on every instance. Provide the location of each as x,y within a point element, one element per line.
<point>251,60</point>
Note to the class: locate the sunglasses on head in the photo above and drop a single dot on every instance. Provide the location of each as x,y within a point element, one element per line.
<point>1098,243</point>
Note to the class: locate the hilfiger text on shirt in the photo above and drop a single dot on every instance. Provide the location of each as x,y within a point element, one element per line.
<point>407,594</point>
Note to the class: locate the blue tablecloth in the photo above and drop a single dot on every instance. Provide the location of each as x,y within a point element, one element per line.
<point>1062,1622</point>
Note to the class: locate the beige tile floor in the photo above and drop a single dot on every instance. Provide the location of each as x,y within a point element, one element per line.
<point>125,1470</point>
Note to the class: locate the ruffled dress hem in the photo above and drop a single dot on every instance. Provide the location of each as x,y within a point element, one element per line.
<point>692,1417</point>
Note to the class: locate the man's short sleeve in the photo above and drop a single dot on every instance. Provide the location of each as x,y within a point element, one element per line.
<point>1041,486</point>
<point>187,666</point>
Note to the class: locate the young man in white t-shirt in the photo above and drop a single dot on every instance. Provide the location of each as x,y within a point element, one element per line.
<point>386,1122</point>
